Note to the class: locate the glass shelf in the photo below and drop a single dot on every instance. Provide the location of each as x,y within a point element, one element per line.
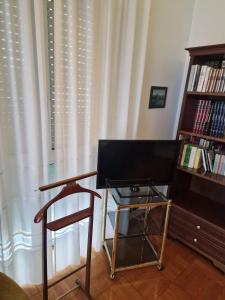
<point>135,227</point>
<point>146,195</point>
<point>132,251</point>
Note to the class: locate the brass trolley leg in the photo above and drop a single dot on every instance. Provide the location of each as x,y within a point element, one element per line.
<point>105,213</point>
<point>160,267</point>
<point>114,247</point>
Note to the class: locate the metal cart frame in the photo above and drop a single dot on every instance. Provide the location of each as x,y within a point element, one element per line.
<point>112,255</point>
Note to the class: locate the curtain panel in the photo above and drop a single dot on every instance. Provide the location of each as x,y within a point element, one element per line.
<point>71,73</point>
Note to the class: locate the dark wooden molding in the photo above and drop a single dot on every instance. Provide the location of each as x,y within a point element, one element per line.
<point>206,50</point>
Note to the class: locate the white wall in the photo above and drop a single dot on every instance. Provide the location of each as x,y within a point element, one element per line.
<point>208,23</point>
<point>170,24</point>
<point>208,28</point>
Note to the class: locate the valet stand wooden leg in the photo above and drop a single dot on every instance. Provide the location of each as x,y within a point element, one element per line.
<point>89,247</point>
<point>44,257</point>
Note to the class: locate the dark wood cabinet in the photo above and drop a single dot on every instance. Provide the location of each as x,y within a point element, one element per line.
<point>198,210</point>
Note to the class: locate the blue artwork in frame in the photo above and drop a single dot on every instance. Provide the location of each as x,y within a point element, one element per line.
<point>157,97</point>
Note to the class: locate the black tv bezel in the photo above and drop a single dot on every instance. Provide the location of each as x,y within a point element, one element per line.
<point>138,181</point>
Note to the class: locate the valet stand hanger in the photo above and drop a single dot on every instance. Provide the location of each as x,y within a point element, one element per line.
<point>72,187</point>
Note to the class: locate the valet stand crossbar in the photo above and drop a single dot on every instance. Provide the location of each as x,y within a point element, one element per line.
<point>71,187</point>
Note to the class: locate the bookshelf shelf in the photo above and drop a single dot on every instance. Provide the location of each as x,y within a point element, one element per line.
<point>206,94</point>
<point>198,210</point>
<point>219,179</point>
<point>207,137</point>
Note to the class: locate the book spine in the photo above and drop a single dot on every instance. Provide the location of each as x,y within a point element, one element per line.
<point>183,155</point>
<point>222,85</point>
<point>223,167</point>
<point>218,119</point>
<point>201,78</point>
<point>222,121</point>
<point>213,121</point>
<point>210,162</point>
<point>215,80</point>
<point>192,157</point>
<point>209,80</point>
<point>215,165</point>
<point>191,78</point>
<point>187,156</point>
<point>198,159</point>
<point>203,160</point>
<point>207,117</point>
<point>219,80</point>
<point>206,160</point>
<point>199,125</point>
<point>206,79</point>
<point>197,116</point>
<point>196,78</point>
<point>220,164</point>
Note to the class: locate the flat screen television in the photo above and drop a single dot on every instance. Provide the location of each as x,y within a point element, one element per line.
<point>124,163</point>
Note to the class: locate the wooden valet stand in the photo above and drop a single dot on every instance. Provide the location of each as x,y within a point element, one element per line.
<point>71,187</point>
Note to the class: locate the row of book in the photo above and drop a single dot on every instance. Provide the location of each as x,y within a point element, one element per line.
<point>204,78</point>
<point>196,157</point>
<point>209,117</point>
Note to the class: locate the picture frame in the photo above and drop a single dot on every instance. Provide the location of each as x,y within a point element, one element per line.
<point>157,97</point>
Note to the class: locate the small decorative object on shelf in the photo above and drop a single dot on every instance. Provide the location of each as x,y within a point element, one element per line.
<point>198,193</point>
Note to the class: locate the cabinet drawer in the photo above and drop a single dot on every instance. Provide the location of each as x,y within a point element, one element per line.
<point>197,225</point>
<point>198,242</point>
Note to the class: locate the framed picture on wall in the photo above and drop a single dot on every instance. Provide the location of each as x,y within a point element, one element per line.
<point>157,97</point>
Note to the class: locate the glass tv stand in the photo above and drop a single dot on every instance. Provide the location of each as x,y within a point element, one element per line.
<point>135,227</point>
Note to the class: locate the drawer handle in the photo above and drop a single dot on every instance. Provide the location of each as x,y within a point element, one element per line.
<point>198,227</point>
<point>195,240</point>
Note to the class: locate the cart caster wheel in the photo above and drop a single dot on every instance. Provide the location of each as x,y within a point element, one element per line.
<point>112,276</point>
<point>159,267</point>
<point>77,281</point>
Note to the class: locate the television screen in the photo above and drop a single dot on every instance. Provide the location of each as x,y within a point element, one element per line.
<point>136,162</point>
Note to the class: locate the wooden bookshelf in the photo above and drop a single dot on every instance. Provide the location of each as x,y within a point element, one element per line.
<point>207,137</point>
<point>198,211</point>
<point>219,179</point>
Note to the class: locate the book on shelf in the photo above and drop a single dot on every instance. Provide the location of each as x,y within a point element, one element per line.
<point>219,171</point>
<point>209,77</point>
<point>187,156</point>
<point>221,124</point>
<point>198,111</point>
<point>204,160</point>
<point>223,167</point>
<point>202,75</point>
<point>192,156</point>
<point>203,154</point>
<point>206,78</point>
<point>210,159</point>
<point>196,79</point>
<point>215,165</point>
<point>183,154</point>
<point>198,159</point>
<point>209,118</point>
<point>192,77</point>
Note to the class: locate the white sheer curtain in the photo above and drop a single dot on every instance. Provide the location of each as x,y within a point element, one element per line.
<point>99,52</point>
<point>93,91</point>
<point>24,138</point>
